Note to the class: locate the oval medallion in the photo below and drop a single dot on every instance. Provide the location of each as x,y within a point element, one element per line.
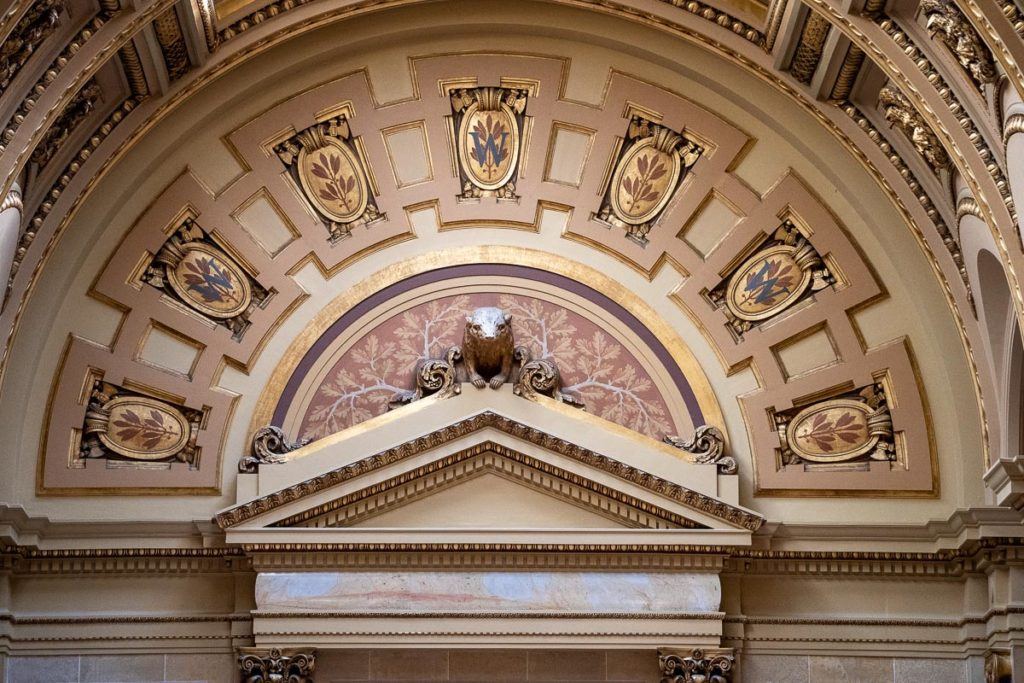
<point>144,428</point>
<point>210,282</point>
<point>766,284</point>
<point>831,431</point>
<point>490,146</point>
<point>331,179</point>
<point>643,182</point>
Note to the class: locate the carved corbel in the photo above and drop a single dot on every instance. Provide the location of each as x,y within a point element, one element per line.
<point>276,666</point>
<point>900,113</point>
<point>708,447</point>
<point>697,666</point>
<point>998,667</point>
<point>270,446</point>
<point>946,23</point>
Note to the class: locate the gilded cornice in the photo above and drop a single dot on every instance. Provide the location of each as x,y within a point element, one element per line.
<point>692,499</point>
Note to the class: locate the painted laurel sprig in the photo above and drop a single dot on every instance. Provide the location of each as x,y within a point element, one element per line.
<point>768,283</point>
<point>824,432</point>
<point>337,186</point>
<point>210,280</point>
<point>641,188</point>
<point>146,432</point>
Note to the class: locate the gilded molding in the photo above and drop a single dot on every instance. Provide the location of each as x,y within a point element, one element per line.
<point>74,114</point>
<point>946,22</point>
<point>34,27</point>
<point>270,445</point>
<point>63,180</point>
<point>809,47</point>
<point>49,75</point>
<point>698,501</point>
<point>950,242</point>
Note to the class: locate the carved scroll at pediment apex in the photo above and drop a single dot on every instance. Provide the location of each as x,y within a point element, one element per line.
<point>330,170</point>
<point>785,270</point>
<point>855,426</point>
<point>697,666</point>
<point>540,377</point>
<point>708,448</point>
<point>193,269</point>
<point>270,446</point>
<point>900,113</point>
<point>946,22</point>
<point>120,424</point>
<point>649,168</point>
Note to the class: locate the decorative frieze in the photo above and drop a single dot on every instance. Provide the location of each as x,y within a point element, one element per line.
<point>78,109</point>
<point>697,666</point>
<point>328,164</point>
<point>901,114</point>
<point>488,357</point>
<point>650,165</point>
<point>855,426</point>
<point>488,124</point>
<point>199,273</point>
<point>121,424</point>
<point>37,25</point>
<point>947,23</point>
<point>276,666</point>
<point>270,446</point>
<point>708,447</point>
<point>785,270</point>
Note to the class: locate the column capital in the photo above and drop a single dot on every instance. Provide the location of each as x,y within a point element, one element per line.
<point>713,665</point>
<point>270,665</point>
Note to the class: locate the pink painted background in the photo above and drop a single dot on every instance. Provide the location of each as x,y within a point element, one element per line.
<point>595,367</point>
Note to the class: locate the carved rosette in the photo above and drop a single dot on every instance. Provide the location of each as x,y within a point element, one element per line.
<point>696,667</point>
<point>947,24</point>
<point>194,270</point>
<point>434,377</point>
<point>708,447</point>
<point>270,446</point>
<point>853,427</point>
<point>785,270</point>
<point>540,378</point>
<point>122,424</point>
<point>488,126</point>
<point>900,113</point>
<point>328,165</point>
<point>276,665</point>
<point>650,165</point>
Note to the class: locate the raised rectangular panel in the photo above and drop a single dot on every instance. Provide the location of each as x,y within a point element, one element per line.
<point>169,351</point>
<point>806,353</point>
<point>709,226</point>
<point>567,154</point>
<point>424,221</point>
<point>265,223</point>
<point>96,321</point>
<point>878,323</point>
<point>409,154</point>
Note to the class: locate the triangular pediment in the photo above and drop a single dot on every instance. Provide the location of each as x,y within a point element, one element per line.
<point>489,475</point>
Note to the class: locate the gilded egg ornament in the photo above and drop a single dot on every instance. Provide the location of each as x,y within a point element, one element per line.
<point>210,282</point>
<point>331,179</point>
<point>144,428</point>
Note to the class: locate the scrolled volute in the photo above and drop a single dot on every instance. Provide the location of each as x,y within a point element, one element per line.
<point>697,667</point>
<point>540,378</point>
<point>276,666</point>
<point>270,446</point>
<point>434,377</point>
<point>708,447</point>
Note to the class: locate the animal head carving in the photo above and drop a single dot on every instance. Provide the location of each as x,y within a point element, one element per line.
<point>488,322</point>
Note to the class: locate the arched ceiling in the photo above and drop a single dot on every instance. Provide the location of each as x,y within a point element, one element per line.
<point>782,152</point>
